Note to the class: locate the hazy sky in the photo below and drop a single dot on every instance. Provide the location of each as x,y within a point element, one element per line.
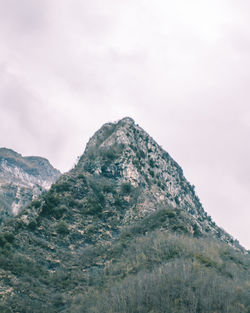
<point>180,68</point>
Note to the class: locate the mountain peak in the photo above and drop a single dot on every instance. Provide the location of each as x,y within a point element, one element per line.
<point>111,132</point>
<point>124,154</point>
<point>127,120</point>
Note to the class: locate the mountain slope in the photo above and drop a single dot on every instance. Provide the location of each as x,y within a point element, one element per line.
<point>121,232</point>
<point>22,179</point>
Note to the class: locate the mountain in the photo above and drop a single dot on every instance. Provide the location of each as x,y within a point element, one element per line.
<point>22,179</point>
<point>123,231</point>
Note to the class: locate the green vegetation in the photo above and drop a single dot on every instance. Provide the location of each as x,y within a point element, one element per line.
<point>50,203</point>
<point>62,228</point>
<point>126,188</point>
<point>153,269</point>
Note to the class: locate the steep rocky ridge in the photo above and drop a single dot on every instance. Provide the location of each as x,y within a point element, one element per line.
<point>22,179</point>
<point>123,213</point>
<point>124,151</point>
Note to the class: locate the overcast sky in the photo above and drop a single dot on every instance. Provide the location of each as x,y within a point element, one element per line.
<point>180,68</point>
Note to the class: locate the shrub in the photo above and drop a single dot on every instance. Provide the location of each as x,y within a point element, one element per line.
<point>108,188</point>
<point>93,206</point>
<point>59,211</point>
<point>151,163</point>
<point>196,230</point>
<point>177,200</point>
<point>63,186</point>
<point>32,224</point>
<point>111,153</point>
<point>36,203</point>
<point>51,201</point>
<point>2,240</point>
<point>137,164</point>
<point>89,167</point>
<point>151,173</point>
<point>134,148</point>
<point>9,236</point>
<point>180,229</point>
<point>141,154</point>
<point>170,213</point>
<point>126,188</point>
<point>71,203</point>
<point>62,228</point>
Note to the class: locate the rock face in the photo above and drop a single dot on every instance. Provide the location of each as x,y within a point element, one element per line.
<point>125,153</point>
<point>22,179</point>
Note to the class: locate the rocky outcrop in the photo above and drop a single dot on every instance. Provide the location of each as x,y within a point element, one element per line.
<point>22,179</point>
<point>124,152</point>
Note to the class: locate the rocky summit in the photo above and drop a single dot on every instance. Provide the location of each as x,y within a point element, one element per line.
<point>125,154</point>
<point>22,179</point>
<point>123,231</point>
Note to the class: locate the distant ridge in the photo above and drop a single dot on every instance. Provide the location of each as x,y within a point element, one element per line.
<point>22,179</point>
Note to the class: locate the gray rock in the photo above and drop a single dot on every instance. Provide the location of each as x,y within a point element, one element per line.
<point>22,179</point>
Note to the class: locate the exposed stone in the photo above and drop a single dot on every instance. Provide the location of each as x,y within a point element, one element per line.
<point>22,179</point>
